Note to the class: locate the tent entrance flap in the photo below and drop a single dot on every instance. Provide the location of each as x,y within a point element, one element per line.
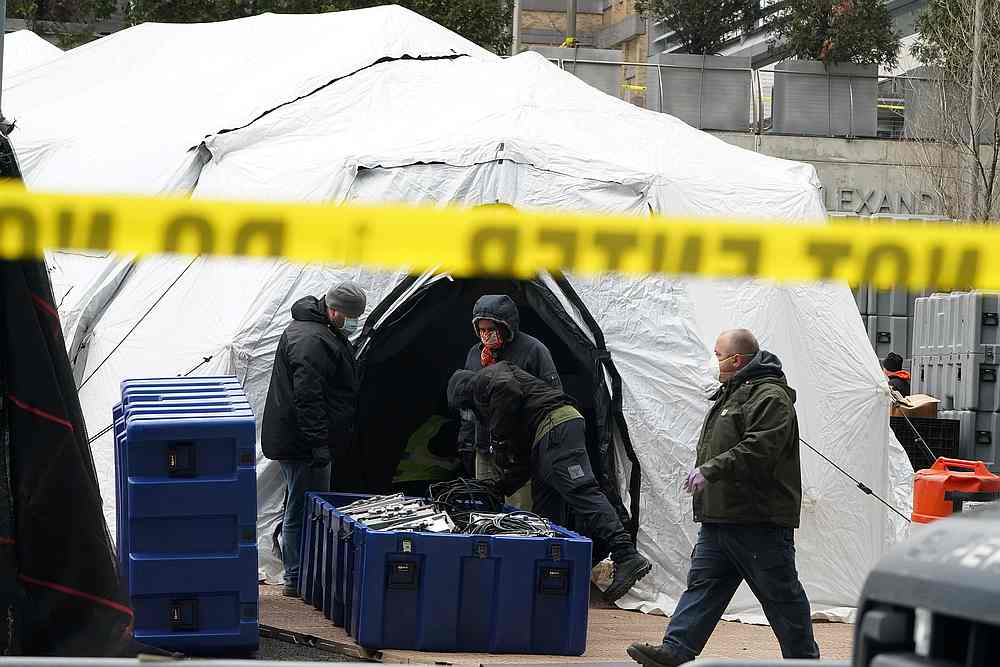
<point>407,358</point>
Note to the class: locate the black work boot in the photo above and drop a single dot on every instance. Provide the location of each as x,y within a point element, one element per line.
<point>627,572</point>
<point>655,655</point>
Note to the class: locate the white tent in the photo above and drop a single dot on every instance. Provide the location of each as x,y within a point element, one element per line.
<point>350,119</point>
<point>137,100</point>
<point>24,50</point>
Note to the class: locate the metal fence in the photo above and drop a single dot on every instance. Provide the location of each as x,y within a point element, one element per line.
<point>806,99</point>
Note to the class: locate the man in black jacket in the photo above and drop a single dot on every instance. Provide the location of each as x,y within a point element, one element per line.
<point>541,436</point>
<point>497,324</point>
<point>311,404</point>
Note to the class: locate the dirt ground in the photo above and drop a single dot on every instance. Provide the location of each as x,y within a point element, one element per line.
<point>609,632</point>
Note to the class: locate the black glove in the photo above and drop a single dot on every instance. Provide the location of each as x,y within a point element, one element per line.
<point>321,457</point>
<point>494,487</point>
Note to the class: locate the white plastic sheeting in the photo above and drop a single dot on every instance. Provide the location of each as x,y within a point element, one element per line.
<point>24,50</point>
<point>468,130</point>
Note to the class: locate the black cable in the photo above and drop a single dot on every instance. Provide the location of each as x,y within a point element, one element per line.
<point>103,431</point>
<point>461,498</point>
<point>204,360</point>
<point>920,438</point>
<point>861,485</point>
<point>136,325</point>
<point>513,523</point>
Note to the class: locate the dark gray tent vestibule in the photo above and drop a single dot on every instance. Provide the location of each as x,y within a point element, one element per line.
<point>420,334</point>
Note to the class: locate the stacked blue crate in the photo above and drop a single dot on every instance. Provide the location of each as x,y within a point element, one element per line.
<point>186,529</point>
<point>449,592</point>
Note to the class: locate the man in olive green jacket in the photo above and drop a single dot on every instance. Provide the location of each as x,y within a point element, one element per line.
<point>747,492</point>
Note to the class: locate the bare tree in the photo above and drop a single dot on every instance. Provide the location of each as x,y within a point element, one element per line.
<point>953,111</point>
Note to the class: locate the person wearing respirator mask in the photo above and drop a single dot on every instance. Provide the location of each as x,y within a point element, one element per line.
<point>311,403</point>
<point>496,322</point>
<point>747,495</point>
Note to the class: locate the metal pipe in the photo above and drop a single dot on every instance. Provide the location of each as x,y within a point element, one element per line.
<point>977,79</point>
<point>570,22</point>
<point>850,83</point>
<point>701,93</point>
<point>3,31</point>
<point>829,103</point>
<point>659,76</point>
<point>515,40</point>
<point>760,104</point>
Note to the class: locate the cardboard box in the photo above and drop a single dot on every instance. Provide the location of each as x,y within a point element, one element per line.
<point>917,405</point>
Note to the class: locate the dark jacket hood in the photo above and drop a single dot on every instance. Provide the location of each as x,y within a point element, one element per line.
<point>310,309</point>
<point>763,366</point>
<point>499,308</point>
<point>460,390</point>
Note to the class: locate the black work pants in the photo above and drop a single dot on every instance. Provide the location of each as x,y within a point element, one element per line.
<point>562,479</point>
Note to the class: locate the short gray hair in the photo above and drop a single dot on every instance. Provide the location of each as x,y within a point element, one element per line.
<point>741,341</point>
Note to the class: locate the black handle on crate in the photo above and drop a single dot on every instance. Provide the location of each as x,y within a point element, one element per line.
<point>181,460</point>
<point>984,437</point>
<point>553,580</point>
<point>402,575</point>
<point>884,337</point>
<point>991,319</point>
<point>183,615</point>
<point>987,374</point>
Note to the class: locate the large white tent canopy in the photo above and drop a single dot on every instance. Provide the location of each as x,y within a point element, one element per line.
<point>383,105</point>
<point>24,50</point>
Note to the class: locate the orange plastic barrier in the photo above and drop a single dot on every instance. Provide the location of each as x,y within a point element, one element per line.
<point>941,489</point>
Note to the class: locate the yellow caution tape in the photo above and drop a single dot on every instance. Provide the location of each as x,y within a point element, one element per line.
<point>499,240</point>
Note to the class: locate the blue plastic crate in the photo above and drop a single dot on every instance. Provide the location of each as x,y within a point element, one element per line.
<point>443,592</point>
<point>147,391</point>
<point>152,389</point>
<point>166,407</point>
<point>450,592</point>
<point>308,555</point>
<point>191,529</point>
<point>317,578</point>
<point>185,451</point>
<point>338,530</point>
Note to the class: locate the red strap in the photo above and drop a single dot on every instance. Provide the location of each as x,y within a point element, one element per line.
<point>38,412</point>
<point>80,594</point>
<point>45,305</point>
<point>7,540</point>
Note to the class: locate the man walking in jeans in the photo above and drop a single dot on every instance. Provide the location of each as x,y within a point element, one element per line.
<point>311,404</point>
<point>747,494</point>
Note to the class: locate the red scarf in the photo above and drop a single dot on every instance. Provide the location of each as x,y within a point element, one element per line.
<point>491,341</point>
<point>902,375</point>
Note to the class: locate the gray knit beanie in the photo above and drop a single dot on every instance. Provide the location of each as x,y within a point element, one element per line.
<point>347,297</point>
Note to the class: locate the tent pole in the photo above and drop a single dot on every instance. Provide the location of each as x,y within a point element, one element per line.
<point>3,31</point>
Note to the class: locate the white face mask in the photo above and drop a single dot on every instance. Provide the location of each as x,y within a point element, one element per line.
<point>713,368</point>
<point>350,326</point>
